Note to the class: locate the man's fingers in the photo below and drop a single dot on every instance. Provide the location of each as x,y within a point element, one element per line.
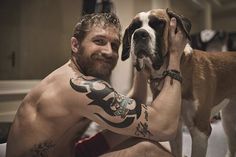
<point>172,25</point>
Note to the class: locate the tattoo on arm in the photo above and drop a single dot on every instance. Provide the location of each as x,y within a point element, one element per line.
<point>42,149</point>
<point>113,103</point>
<point>142,128</point>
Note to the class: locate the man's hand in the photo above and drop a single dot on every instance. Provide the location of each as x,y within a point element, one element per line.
<point>177,39</point>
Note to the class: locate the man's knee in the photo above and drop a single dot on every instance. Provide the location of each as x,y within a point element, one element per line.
<point>141,149</point>
<point>151,149</point>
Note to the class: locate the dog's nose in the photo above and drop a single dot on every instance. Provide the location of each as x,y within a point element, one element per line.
<point>141,34</point>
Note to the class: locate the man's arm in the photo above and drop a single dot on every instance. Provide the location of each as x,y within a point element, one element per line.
<point>167,105</point>
<point>107,140</point>
<point>138,91</point>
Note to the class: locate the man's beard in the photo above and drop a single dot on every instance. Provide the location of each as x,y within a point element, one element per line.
<point>95,65</point>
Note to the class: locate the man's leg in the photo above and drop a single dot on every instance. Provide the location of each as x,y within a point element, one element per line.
<point>135,147</point>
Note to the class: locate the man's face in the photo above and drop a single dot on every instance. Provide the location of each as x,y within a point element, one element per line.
<point>98,52</point>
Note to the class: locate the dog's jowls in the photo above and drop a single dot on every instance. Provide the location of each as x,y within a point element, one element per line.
<point>209,79</point>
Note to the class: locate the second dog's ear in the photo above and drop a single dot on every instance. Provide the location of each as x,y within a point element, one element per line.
<point>184,23</point>
<point>126,45</point>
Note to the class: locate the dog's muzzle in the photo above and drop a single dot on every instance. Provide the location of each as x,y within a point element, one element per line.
<point>142,51</point>
<point>141,39</point>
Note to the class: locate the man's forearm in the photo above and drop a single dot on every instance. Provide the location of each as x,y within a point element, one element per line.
<point>167,103</point>
<point>173,62</point>
<point>138,91</point>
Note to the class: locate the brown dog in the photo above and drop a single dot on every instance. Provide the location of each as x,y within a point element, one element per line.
<point>209,79</point>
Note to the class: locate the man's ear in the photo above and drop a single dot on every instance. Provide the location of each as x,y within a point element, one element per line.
<point>182,21</point>
<point>74,44</point>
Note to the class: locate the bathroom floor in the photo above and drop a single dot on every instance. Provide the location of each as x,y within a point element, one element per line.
<point>216,145</point>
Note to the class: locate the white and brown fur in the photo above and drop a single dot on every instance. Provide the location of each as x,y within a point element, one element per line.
<point>209,79</point>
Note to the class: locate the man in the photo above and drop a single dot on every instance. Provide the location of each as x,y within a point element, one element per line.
<point>53,115</point>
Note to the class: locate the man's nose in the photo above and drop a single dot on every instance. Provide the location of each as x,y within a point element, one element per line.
<point>107,49</point>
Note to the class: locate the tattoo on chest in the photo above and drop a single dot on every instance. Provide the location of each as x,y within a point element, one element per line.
<point>42,149</point>
<point>113,103</point>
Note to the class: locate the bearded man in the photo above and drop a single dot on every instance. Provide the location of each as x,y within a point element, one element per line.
<point>55,113</point>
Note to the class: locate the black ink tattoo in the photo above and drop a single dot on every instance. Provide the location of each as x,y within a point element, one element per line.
<point>109,100</point>
<point>146,115</point>
<point>142,130</point>
<point>42,149</point>
<point>145,112</point>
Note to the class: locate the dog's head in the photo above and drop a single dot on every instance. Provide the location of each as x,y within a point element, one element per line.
<point>147,37</point>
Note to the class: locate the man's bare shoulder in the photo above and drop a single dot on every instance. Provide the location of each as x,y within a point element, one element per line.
<point>87,83</point>
<point>56,81</point>
<point>54,88</point>
<point>90,87</point>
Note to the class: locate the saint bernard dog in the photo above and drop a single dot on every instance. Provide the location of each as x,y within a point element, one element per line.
<point>209,79</point>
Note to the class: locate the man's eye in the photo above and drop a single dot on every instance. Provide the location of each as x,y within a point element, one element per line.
<point>100,41</point>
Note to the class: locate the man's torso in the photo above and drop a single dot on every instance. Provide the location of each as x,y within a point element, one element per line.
<point>47,122</point>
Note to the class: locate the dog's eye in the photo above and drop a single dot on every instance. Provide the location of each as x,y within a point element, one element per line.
<point>135,25</point>
<point>156,23</point>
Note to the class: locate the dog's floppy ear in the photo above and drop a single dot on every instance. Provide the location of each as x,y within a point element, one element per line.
<point>126,45</point>
<point>184,23</point>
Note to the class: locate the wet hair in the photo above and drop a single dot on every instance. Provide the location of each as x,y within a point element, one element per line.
<point>96,19</point>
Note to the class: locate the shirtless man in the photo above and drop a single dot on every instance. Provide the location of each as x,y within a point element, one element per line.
<point>52,116</point>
